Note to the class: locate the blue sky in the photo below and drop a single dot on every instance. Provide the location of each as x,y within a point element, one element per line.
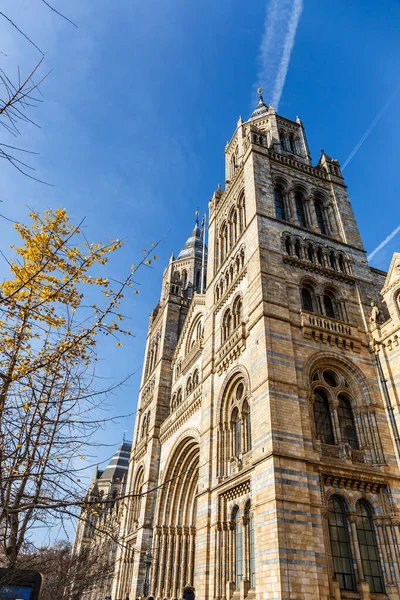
<point>142,97</point>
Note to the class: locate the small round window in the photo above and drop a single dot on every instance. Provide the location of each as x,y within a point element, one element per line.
<point>330,378</point>
<point>239,391</point>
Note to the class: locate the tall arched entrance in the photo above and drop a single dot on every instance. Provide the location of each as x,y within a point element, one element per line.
<point>175,532</point>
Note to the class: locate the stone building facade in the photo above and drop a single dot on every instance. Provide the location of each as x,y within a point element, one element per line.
<point>265,461</point>
<point>97,534</point>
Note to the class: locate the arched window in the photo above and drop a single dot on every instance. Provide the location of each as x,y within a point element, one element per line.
<point>320,256</point>
<point>236,432</point>
<point>195,379</point>
<point>226,325</point>
<point>340,544</point>
<point>179,397</point>
<point>279,204</point>
<point>242,213</point>
<point>332,260</point>
<point>319,212</point>
<point>322,418</point>
<point>136,500</point>
<point>341,263</point>
<point>233,228</point>
<point>368,548</point>
<point>188,386</point>
<point>288,246</point>
<point>238,548</point>
<point>329,307</point>
<point>346,422</point>
<point>184,279</point>
<point>307,299</point>
<point>223,242</point>
<point>144,427</point>
<point>300,210</point>
<point>297,248</point>
<point>237,312</point>
<point>310,253</point>
<point>198,281</point>
<point>247,425</point>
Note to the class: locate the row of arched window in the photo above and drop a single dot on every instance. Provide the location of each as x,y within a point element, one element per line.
<point>231,229</point>
<point>290,142</point>
<point>231,319</point>
<point>192,383</point>
<point>229,275</point>
<point>364,550</point>
<point>327,303</point>
<point>152,353</point>
<point>307,214</point>
<point>322,256</point>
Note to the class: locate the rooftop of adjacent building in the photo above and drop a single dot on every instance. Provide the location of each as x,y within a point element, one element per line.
<point>118,465</point>
<point>193,247</point>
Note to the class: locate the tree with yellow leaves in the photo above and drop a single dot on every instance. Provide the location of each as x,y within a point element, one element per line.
<point>49,335</point>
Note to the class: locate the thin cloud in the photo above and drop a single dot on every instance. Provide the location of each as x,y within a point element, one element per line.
<point>383,244</point>
<point>281,22</point>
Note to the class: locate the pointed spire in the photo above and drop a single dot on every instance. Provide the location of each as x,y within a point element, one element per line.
<point>194,246</point>
<point>262,108</point>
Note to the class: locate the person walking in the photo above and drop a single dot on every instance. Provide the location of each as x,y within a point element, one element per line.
<point>188,592</point>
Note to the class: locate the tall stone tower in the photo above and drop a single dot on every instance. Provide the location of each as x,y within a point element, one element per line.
<point>265,461</point>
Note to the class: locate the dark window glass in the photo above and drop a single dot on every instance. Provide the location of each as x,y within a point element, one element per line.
<point>307,300</point>
<point>340,545</point>
<point>329,307</point>
<point>237,432</point>
<point>301,215</point>
<point>247,424</point>
<point>332,260</point>
<point>330,378</point>
<point>238,550</point>
<point>341,264</point>
<point>320,217</point>
<point>368,549</point>
<point>310,253</point>
<point>346,422</point>
<point>297,249</point>
<point>288,246</point>
<point>322,417</point>
<point>279,205</point>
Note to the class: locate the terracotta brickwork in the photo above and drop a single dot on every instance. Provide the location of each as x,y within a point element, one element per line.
<point>268,465</point>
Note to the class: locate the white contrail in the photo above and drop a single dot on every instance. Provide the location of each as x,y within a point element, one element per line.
<point>281,22</point>
<point>370,128</point>
<point>287,52</point>
<point>383,244</point>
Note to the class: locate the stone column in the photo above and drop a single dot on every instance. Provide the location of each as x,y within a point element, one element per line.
<point>224,561</point>
<point>382,544</point>
<point>155,561</point>
<point>171,548</point>
<point>218,561</point>
<point>310,213</point>
<point>392,551</point>
<point>191,554</point>
<point>184,559</point>
<point>335,421</point>
<point>178,550</point>
<point>292,207</point>
<point>362,585</point>
<point>161,573</point>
